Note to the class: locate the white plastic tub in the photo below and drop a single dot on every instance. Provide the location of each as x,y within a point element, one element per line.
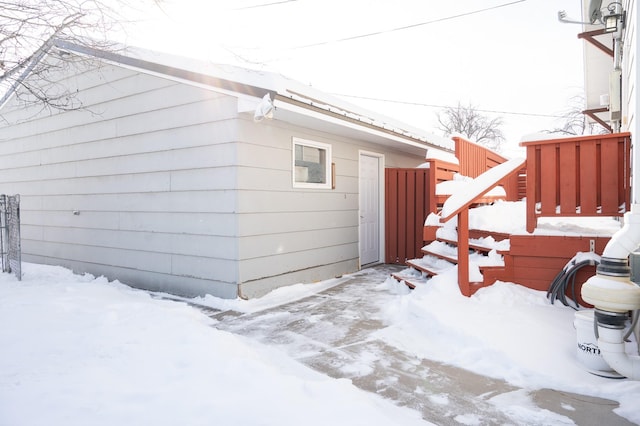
<point>587,345</point>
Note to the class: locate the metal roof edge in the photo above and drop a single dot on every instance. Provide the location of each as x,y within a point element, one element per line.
<point>257,84</point>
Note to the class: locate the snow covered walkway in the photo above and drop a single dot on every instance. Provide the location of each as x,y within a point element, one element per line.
<point>338,332</point>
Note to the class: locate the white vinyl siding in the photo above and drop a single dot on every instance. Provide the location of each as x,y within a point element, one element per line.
<point>176,191</point>
<point>630,93</point>
<point>149,167</point>
<point>289,235</point>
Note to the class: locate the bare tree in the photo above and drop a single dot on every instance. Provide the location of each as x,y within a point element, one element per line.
<point>28,29</point>
<point>469,122</point>
<point>575,122</point>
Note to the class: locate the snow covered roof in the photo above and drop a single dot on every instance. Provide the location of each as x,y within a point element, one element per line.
<point>292,99</point>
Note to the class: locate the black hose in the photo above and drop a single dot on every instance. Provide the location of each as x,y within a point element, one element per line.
<point>566,279</point>
<point>558,282</point>
<point>634,323</point>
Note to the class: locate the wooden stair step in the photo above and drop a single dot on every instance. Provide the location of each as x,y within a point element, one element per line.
<point>441,255</point>
<point>486,261</point>
<point>411,279</point>
<point>441,250</point>
<point>446,248</point>
<point>476,234</point>
<point>476,239</point>
<point>430,265</point>
<point>499,242</point>
<point>482,261</point>
<point>472,246</point>
<point>448,253</point>
<point>453,257</point>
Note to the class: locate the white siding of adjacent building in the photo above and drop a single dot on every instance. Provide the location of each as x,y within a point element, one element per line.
<point>148,168</point>
<point>630,100</point>
<point>631,76</point>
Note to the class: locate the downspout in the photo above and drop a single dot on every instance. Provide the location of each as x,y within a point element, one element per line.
<point>613,295</point>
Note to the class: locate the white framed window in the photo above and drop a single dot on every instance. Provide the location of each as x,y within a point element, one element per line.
<point>311,164</point>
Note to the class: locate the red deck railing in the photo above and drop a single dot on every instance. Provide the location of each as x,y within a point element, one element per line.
<point>458,205</point>
<point>578,176</point>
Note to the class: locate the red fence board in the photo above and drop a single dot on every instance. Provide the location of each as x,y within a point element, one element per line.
<point>548,180</point>
<point>568,182</point>
<point>588,180</point>
<point>609,180</point>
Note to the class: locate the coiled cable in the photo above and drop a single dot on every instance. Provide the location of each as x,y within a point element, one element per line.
<point>566,279</point>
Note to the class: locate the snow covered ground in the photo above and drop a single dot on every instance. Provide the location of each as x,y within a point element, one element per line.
<point>79,350</point>
<point>83,351</point>
<point>504,331</point>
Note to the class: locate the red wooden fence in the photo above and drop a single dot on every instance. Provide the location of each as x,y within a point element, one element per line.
<point>578,176</point>
<point>476,159</point>
<point>407,203</point>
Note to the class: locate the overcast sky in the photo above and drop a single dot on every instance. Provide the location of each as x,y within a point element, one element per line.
<point>511,58</point>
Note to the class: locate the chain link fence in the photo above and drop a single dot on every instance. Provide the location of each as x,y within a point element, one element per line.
<point>10,247</point>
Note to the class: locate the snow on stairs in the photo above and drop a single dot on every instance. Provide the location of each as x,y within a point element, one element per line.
<point>486,250</point>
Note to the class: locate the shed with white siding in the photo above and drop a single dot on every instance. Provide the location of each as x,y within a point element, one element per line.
<point>164,180</point>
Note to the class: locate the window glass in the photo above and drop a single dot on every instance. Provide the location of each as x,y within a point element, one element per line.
<point>311,164</point>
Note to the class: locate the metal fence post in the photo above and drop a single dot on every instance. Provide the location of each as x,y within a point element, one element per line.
<point>10,245</point>
<point>14,251</point>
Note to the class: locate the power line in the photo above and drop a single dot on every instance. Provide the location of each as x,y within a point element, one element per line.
<point>528,114</point>
<point>406,27</point>
<point>264,5</point>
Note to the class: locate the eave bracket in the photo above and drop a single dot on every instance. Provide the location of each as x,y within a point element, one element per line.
<point>589,36</point>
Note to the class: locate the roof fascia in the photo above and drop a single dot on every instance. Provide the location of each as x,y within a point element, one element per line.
<point>167,71</point>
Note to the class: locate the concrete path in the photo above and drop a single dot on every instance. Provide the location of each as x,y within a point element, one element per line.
<point>331,332</point>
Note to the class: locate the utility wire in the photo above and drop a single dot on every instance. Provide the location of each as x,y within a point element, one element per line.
<point>406,27</point>
<point>446,106</point>
<point>255,6</point>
